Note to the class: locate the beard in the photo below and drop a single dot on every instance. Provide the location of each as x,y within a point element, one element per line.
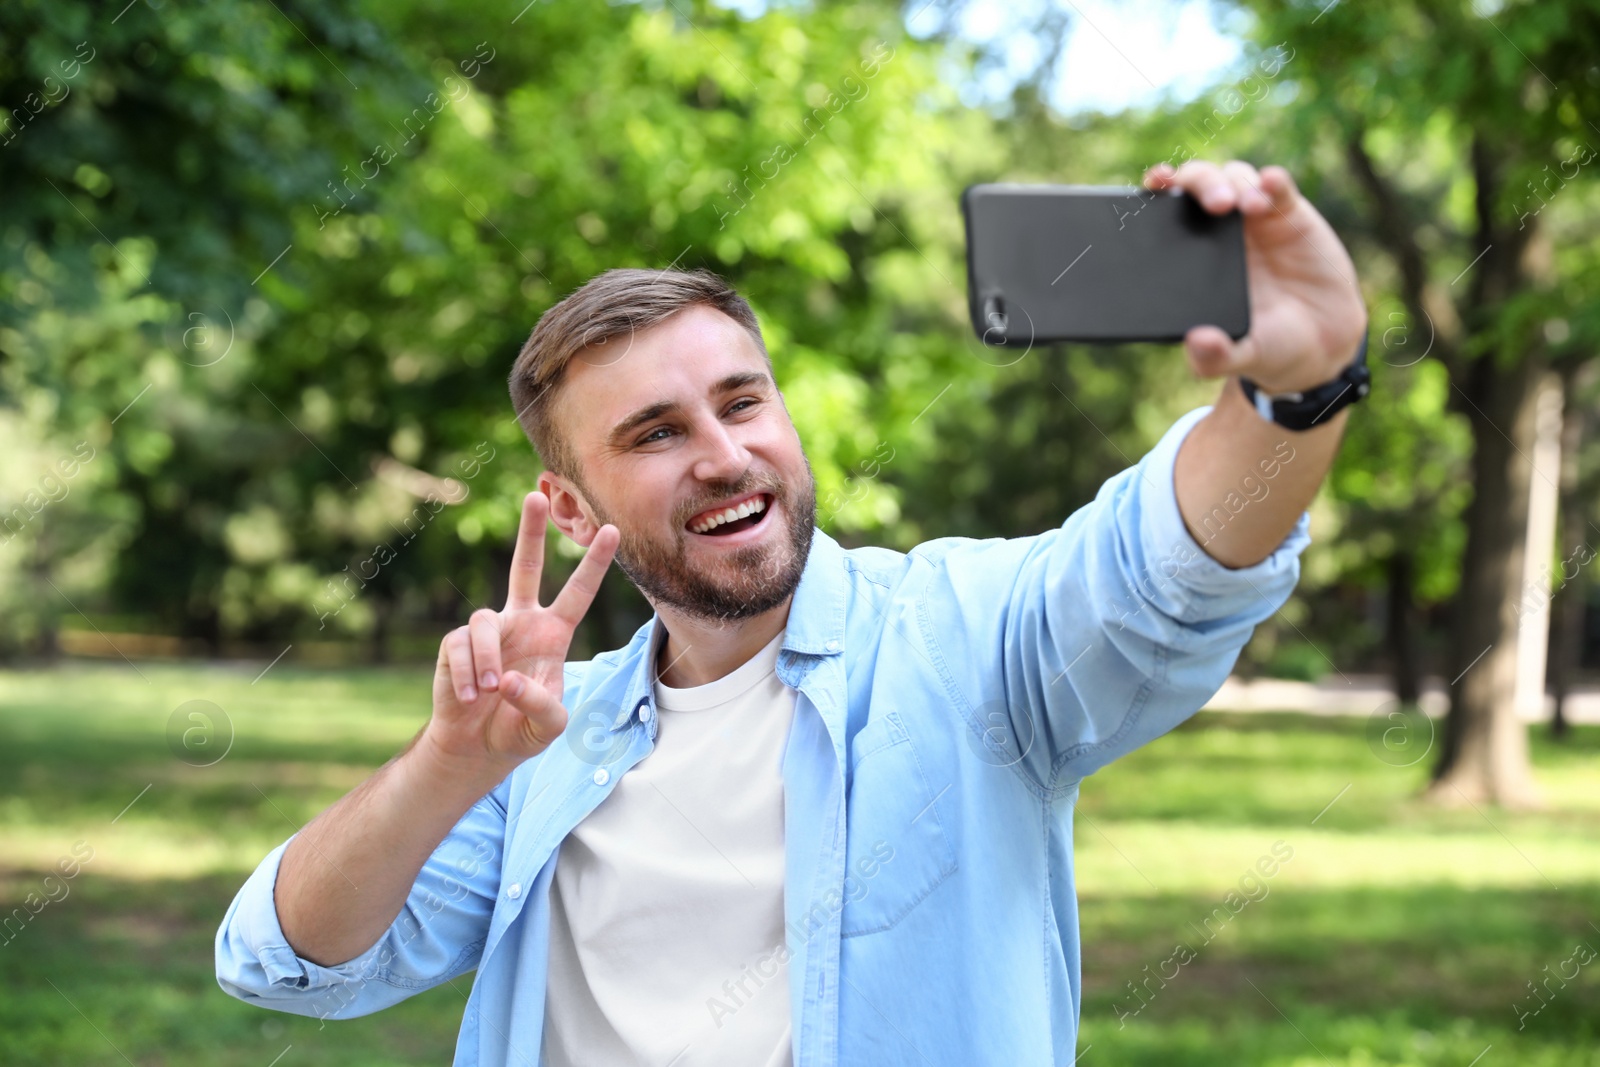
<point>743,583</point>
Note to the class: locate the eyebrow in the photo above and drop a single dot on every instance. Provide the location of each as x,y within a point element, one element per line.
<point>620,433</point>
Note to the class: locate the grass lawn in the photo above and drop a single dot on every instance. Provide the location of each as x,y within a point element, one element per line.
<point>1393,934</point>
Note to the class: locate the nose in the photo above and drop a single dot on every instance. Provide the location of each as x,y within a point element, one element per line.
<point>723,457</point>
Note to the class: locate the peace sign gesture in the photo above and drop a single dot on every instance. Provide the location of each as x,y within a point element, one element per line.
<point>498,683</point>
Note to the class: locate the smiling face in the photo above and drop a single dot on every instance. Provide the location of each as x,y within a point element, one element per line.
<point>685,447</point>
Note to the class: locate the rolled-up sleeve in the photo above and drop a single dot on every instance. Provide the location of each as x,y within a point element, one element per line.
<point>438,934</point>
<point>1111,629</point>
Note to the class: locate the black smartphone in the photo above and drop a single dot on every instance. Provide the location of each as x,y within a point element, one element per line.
<point>1100,264</point>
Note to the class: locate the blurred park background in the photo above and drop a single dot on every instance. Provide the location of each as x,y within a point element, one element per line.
<point>265,265</point>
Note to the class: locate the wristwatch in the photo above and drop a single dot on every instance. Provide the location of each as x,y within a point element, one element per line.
<point>1315,406</point>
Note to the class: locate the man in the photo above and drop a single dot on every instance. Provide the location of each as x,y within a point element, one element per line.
<point>819,809</point>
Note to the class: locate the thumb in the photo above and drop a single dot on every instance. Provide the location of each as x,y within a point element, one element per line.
<point>1212,353</point>
<point>543,715</point>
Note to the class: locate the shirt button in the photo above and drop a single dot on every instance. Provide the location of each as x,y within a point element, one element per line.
<point>514,890</point>
<point>602,776</point>
<point>833,646</point>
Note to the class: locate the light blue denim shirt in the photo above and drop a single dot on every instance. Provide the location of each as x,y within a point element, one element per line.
<point>949,702</point>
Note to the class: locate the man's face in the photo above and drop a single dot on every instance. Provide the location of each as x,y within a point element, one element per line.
<point>672,427</point>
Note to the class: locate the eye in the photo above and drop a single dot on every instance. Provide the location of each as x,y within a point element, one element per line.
<point>651,438</point>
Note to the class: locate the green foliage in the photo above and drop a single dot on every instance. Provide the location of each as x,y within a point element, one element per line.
<point>271,265</point>
<point>307,298</point>
<point>141,207</point>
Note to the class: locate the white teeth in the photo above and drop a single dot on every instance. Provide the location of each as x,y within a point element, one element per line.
<point>749,507</point>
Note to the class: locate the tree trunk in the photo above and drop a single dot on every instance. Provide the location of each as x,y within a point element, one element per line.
<point>1566,618</point>
<point>1484,756</point>
<point>1566,627</point>
<point>1407,670</point>
<point>1538,584</point>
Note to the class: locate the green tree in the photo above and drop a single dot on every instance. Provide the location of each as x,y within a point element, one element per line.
<point>1465,128</point>
<point>380,256</point>
<point>152,160</point>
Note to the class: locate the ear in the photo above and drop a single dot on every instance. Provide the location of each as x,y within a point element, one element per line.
<point>568,510</point>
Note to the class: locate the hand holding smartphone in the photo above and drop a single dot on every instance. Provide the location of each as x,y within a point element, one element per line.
<point>1100,264</point>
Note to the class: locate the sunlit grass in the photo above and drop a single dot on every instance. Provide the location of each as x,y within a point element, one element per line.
<point>1398,934</point>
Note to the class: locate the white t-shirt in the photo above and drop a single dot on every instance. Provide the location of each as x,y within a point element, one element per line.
<point>666,911</point>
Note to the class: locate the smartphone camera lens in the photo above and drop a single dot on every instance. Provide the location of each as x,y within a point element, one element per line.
<point>994,313</point>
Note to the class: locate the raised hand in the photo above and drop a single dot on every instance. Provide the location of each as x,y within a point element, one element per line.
<point>498,683</point>
<point>1306,312</point>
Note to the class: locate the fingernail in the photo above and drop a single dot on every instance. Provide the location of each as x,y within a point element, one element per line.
<point>514,687</point>
<point>469,694</point>
<point>489,681</point>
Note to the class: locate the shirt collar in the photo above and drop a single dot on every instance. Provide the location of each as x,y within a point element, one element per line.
<point>815,626</point>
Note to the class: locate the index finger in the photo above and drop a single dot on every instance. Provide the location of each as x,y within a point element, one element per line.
<point>1200,178</point>
<point>579,592</point>
<point>527,561</point>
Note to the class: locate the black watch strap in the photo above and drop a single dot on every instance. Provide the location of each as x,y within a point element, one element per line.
<point>1313,407</point>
